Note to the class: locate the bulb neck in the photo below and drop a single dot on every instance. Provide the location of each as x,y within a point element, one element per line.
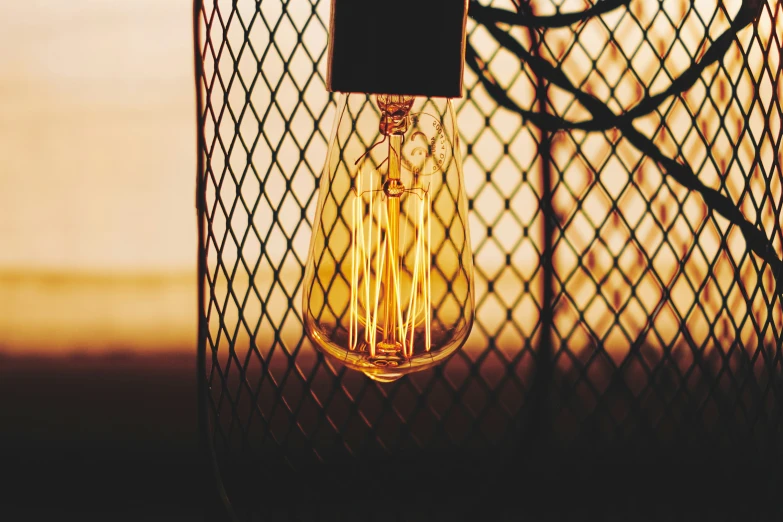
<point>394,113</point>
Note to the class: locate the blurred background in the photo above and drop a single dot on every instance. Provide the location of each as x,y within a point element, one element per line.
<point>97,257</point>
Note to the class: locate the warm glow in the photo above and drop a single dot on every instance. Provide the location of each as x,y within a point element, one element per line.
<point>370,206</point>
<point>389,282</point>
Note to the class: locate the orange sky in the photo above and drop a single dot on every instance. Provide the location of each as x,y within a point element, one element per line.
<point>97,170</point>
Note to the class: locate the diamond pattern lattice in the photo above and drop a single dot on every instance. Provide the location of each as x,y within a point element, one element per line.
<point>623,168</point>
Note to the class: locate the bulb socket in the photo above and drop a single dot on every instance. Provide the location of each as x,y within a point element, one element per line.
<point>406,47</point>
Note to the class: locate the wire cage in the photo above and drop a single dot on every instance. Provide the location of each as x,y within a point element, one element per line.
<point>623,170</point>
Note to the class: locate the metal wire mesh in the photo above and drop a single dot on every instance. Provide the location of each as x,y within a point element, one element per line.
<point>623,169</point>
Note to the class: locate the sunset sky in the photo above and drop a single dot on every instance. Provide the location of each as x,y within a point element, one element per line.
<point>97,170</point>
<point>97,136</point>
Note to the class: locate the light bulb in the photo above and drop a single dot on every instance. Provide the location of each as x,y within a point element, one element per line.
<point>388,288</point>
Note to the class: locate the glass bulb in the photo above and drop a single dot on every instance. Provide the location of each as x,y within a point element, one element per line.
<point>388,288</point>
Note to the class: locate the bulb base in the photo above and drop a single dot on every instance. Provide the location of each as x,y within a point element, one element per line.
<point>405,47</point>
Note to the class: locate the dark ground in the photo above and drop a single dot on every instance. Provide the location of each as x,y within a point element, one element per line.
<point>114,438</point>
<point>99,438</point>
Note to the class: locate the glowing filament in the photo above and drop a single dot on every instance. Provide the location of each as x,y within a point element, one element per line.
<point>369,219</point>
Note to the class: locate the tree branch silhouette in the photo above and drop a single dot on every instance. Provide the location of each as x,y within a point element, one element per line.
<point>524,19</point>
<point>749,10</point>
<point>756,240</point>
